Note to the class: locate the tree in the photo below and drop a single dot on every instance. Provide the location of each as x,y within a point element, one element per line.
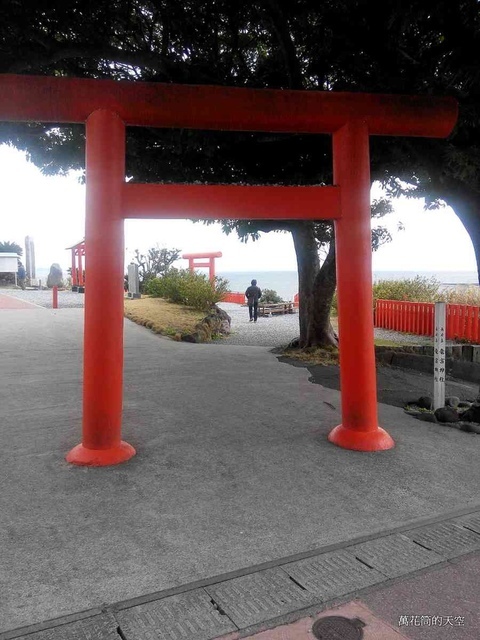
<point>10,247</point>
<point>156,263</point>
<point>408,47</point>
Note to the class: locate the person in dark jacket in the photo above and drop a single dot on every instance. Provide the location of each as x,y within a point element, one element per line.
<point>253,295</point>
<point>21,275</point>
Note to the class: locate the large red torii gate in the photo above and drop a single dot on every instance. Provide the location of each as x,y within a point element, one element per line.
<point>108,106</point>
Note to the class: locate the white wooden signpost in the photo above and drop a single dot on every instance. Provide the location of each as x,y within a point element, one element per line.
<point>439,359</point>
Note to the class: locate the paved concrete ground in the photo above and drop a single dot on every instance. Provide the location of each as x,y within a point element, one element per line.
<point>267,332</point>
<point>233,469</point>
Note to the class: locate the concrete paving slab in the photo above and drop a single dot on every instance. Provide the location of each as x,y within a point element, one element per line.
<point>191,615</point>
<point>233,468</point>
<point>331,575</point>
<point>394,555</point>
<point>448,539</point>
<point>261,596</point>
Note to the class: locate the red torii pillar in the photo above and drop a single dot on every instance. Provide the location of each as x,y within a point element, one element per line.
<point>108,106</point>
<point>210,265</point>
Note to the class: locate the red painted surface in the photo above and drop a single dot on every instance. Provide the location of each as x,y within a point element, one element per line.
<point>148,104</point>
<point>193,263</point>
<point>55,297</point>
<point>359,429</point>
<point>9,302</point>
<point>103,340</point>
<point>243,202</point>
<point>463,321</point>
<point>107,106</point>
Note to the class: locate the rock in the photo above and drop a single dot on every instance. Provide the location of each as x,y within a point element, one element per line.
<point>464,404</point>
<point>469,427</point>
<point>446,414</point>
<point>452,401</point>
<point>473,413</point>
<point>427,417</point>
<point>425,402</point>
<point>217,322</point>
<point>55,277</point>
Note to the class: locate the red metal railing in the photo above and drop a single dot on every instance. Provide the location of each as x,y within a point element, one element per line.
<point>463,321</point>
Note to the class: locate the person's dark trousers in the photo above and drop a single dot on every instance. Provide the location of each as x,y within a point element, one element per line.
<point>253,311</point>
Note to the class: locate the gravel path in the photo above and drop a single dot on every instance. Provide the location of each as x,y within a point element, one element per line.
<point>266,332</point>
<point>280,330</point>
<point>69,299</point>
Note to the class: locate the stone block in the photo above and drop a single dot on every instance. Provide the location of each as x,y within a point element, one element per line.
<point>467,352</point>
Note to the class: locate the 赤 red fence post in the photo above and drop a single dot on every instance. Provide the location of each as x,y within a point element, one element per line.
<point>74,269</point>
<point>423,319</point>
<point>55,297</point>
<point>391,315</point>
<point>476,324</point>
<point>463,321</point>
<point>468,330</point>
<point>103,338</point>
<point>80,268</point>
<point>359,429</point>
<point>380,314</point>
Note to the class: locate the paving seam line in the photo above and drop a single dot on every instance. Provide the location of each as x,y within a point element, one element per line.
<point>161,595</point>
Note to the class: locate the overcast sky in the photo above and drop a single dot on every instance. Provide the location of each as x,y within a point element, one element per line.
<point>52,210</point>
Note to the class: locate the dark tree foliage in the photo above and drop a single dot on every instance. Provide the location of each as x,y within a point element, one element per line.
<point>397,46</point>
<point>10,247</point>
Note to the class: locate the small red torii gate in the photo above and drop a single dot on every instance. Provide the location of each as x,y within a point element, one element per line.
<point>210,264</point>
<point>108,106</point>
<point>78,259</point>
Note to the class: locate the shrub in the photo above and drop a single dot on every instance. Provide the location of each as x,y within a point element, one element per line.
<point>269,296</point>
<point>188,288</point>
<point>462,295</point>
<point>418,289</point>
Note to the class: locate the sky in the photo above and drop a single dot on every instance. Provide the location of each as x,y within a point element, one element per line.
<point>52,211</point>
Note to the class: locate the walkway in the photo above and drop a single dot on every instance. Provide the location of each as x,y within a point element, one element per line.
<point>267,332</point>
<point>233,476</point>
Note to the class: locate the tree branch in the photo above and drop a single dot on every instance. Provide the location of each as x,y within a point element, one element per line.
<point>130,58</point>
<point>282,31</point>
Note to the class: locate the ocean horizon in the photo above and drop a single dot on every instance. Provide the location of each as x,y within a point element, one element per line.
<point>285,283</point>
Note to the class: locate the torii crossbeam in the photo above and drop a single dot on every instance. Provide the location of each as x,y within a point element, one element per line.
<point>108,106</point>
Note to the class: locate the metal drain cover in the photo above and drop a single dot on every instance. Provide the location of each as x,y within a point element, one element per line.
<point>338,628</point>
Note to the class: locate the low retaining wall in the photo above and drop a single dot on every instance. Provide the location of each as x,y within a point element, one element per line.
<point>462,361</point>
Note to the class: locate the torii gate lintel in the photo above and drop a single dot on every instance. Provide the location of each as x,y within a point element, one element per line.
<point>108,106</point>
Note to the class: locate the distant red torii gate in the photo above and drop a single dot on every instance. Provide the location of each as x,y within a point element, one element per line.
<point>209,261</point>
<point>108,106</point>
<point>78,257</point>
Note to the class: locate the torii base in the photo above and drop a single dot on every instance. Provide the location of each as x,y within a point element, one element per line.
<point>375,440</point>
<point>100,457</point>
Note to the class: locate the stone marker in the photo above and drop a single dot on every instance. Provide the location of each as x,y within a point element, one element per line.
<point>133,281</point>
<point>55,277</point>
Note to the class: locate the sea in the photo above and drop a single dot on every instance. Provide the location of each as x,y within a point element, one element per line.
<point>285,283</point>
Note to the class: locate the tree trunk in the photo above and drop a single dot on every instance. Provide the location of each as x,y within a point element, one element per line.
<point>320,330</point>
<point>316,287</point>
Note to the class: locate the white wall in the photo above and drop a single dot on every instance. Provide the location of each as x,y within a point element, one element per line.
<point>8,262</point>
